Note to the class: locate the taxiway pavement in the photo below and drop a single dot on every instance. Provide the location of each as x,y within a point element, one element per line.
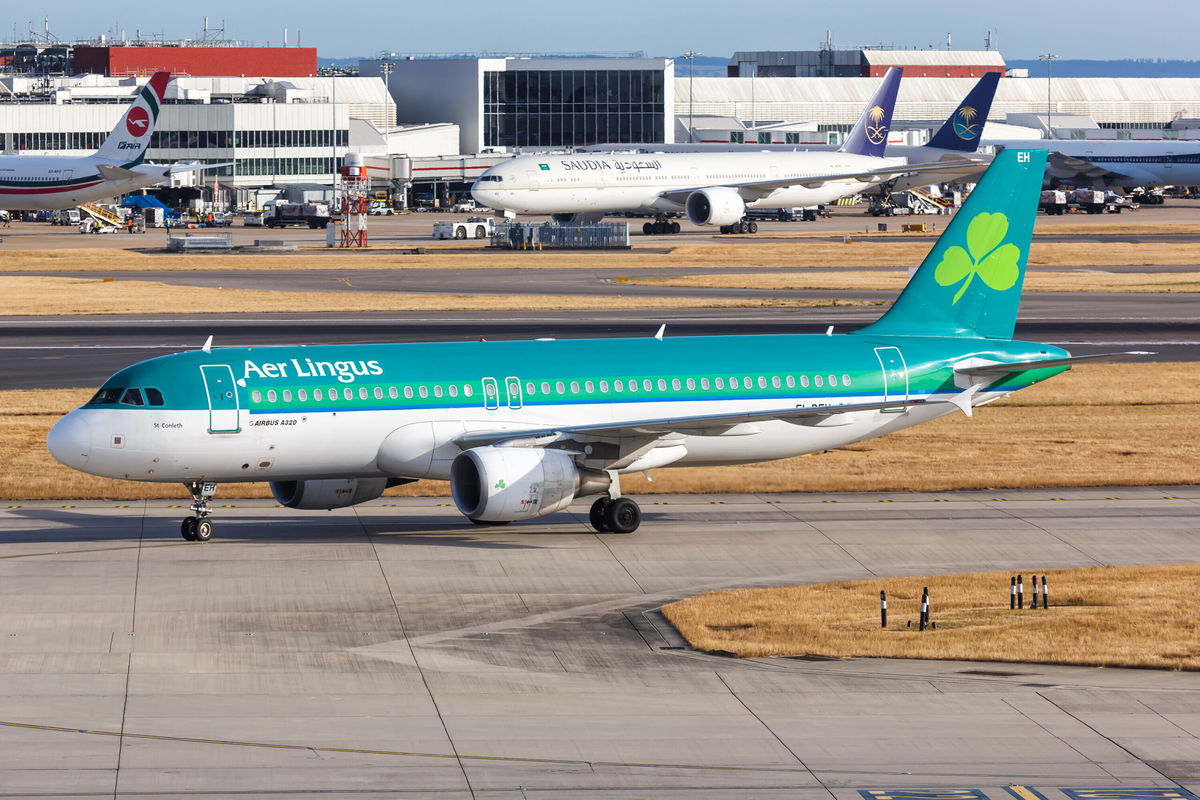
<point>393,650</point>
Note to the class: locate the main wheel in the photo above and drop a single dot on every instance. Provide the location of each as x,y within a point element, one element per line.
<point>674,227</point>
<point>622,515</point>
<point>647,228</point>
<point>203,530</point>
<point>751,227</point>
<point>596,514</point>
<point>187,528</point>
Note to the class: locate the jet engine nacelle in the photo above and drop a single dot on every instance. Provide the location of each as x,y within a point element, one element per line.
<point>716,206</point>
<point>502,484</point>
<point>331,493</point>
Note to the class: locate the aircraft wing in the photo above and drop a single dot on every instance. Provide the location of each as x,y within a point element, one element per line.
<point>1066,168</point>
<point>703,425</point>
<point>997,370</point>
<point>753,190</point>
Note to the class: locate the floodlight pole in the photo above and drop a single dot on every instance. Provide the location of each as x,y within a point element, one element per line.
<point>1049,59</point>
<point>690,55</point>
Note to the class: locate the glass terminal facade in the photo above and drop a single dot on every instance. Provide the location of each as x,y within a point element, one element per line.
<point>562,108</point>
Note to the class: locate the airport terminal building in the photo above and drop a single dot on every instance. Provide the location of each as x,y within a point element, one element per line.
<point>535,103</point>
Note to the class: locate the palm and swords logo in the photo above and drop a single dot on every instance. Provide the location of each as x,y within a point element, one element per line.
<point>963,125</point>
<point>877,132</point>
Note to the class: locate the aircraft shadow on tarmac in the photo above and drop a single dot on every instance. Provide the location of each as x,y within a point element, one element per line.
<point>65,527</point>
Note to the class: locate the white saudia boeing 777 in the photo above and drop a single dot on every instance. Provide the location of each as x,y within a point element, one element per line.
<point>522,428</point>
<point>712,188</point>
<point>54,182</point>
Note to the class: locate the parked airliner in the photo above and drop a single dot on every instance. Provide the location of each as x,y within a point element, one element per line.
<point>1116,164</point>
<point>522,428</point>
<point>54,182</point>
<point>713,188</point>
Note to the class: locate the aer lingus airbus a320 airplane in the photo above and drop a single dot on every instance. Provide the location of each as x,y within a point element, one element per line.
<point>521,428</point>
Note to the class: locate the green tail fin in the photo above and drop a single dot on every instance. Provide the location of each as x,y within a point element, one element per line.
<point>970,283</point>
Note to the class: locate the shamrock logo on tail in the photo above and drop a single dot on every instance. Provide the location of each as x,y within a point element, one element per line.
<point>985,256</point>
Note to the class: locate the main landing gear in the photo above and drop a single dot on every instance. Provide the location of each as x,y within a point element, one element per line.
<point>199,528</point>
<point>619,515</point>
<point>741,226</point>
<point>660,225</point>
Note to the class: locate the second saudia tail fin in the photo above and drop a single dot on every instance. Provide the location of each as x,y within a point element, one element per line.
<point>970,283</point>
<point>964,128</point>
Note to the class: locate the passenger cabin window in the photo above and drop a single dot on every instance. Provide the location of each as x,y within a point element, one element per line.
<point>154,397</point>
<point>287,395</point>
<point>302,394</point>
<point>392,393</point>
<point>845,380</point>
<point>256,396</point>
<point>132,397</point>
<point>378,392</point>
<point>454,390</point>
<point>318,395</point>
<point>271,396</point>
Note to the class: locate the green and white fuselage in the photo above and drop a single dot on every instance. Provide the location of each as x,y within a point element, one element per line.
<point>396,410</point>
<point>522,428</point>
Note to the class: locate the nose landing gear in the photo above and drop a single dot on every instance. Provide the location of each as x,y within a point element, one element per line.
<point>199,528</point>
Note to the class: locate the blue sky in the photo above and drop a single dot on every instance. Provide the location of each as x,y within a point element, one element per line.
<point>1024,28</point>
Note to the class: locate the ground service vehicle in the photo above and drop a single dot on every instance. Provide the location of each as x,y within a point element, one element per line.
<point>473,228</point>
<point>314,215</point>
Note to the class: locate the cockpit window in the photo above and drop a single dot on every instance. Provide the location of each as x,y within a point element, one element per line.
<point>132,397</point>
<point>106,397</point>
<point>496,178</point>
<point>154,397</point>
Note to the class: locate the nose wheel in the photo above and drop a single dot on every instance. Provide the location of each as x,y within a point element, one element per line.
<point>621,515</point>
<point>199,528</point>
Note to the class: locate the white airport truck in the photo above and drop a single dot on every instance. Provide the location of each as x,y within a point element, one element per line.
<point>473,228</point>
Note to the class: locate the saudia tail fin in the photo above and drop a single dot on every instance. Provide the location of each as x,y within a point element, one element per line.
<point>127,143</point>
<point>869,135</point>
<point>970,283</point>
<point>964,128</point>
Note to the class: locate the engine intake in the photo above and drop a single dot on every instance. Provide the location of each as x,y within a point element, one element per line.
<point>502,484</point>
<point>330,493</point>
<point>715,206</point>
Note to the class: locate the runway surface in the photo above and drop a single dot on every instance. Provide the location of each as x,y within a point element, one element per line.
<point>49,352</point>
<point>393,651</point>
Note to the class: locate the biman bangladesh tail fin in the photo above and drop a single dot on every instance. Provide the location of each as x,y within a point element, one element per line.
<point>127,143</point>
<point>970,283</point>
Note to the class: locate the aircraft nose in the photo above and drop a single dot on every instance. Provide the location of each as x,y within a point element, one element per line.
<point>70,440</point>
<point>481,195</point>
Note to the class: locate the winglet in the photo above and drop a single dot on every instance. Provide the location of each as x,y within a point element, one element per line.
<point>963,400</point>
<point>207,344</point>
<point>661,330</point>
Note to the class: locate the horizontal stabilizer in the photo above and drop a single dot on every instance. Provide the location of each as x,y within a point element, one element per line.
<point>1021,366</point>
<point>177,168</point>
<point>111,173</point>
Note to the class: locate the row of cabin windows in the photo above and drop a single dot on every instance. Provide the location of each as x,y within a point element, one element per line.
<point>532,389</point>
<point>127,397</point>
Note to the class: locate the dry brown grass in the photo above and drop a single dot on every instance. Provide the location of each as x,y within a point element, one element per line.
<point>1102,616</point>
<point>895,280</point>
<point>1101,424</point>
<point>867,251</point>
<point>41,295</point>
